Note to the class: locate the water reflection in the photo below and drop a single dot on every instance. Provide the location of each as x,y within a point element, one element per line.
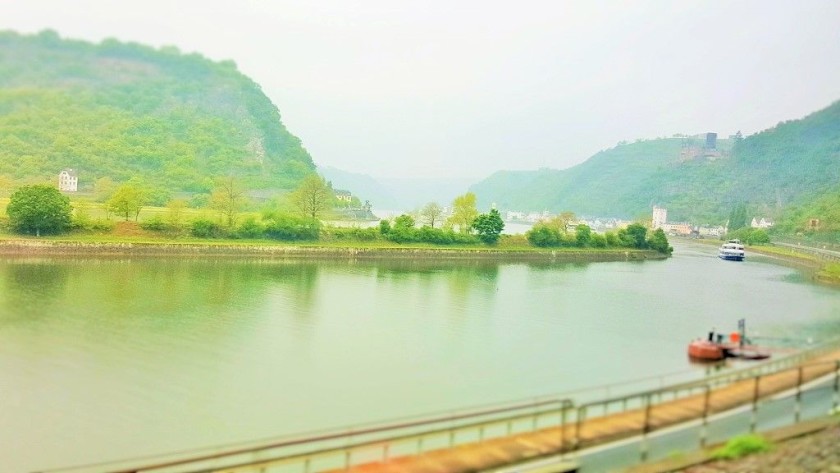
<point>204,351</point>
<point>33,288</point>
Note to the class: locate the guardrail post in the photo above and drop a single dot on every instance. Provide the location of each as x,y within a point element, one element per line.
<point>534,419</point>
<point>798,407</point>
<point>643,445</point>
<point>452,431</point>
<point>836,402</point>
<point>385,452</point>
<point>564,407</point>
<point>754,416</point>
<point>704,425</point>
<point>581,414</point>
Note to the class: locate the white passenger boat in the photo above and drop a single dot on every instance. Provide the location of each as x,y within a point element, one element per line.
<point>732,250</point>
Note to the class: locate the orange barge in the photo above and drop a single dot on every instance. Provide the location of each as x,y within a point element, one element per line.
<point>714,348</point>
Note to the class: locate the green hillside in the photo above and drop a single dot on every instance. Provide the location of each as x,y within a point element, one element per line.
<point>124,110</point>
<point>790,164</point>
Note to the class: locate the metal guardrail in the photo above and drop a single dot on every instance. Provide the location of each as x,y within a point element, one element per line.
<point>342,449</point>
<point>824,252</point>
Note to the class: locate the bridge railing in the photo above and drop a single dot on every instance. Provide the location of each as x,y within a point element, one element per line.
<point>341,449</point>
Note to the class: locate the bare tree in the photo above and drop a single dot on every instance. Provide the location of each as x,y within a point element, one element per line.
<point>312,196</point>
<point>228,198</point>
<point>562,221</point>
<point>431,213</point>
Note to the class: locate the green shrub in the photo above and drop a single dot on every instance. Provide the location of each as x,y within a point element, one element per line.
<point>750,236</point>
<point>832,269</point>
<point>203,228</point>
<point>155,224</point>
<point>598,241</point>
<point>352,234</point>
<point>100,225</point>
<point>741,446</point>
<point>543,236</point>
<point>88,225</point>
<point>384,227</point>
<point>291,228</point>
<point>250,228</point>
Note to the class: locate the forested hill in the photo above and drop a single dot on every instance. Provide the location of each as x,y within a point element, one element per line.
<point>794,162</point>
<point>124,110</point>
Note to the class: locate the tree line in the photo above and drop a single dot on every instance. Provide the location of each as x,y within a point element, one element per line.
<point>555,233</point>
<point>42,209</point>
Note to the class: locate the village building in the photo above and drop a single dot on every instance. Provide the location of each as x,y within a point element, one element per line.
<point>707,231</point>
<point>681,228</point>
<point>761,222</point>
<point>68,181</point>
<point>660,216</point>
<point>344,196</point>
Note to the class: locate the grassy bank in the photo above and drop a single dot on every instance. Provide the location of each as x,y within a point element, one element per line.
<point>819,269</point>
<point>139,246</point>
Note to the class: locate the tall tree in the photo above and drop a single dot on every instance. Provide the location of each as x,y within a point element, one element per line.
<point>659,242</point>
<point>464,212</point>
<point>228,198</point>
<point>489,226</point>
<point>583,235</point>
<point>39,209</point>
<point>543,235</point>
<point>127,201</point>
<point>312,196</point>
<point>634,235</point>
<point>564,219</point>
<point>738,217</point>
<point>431,213</point>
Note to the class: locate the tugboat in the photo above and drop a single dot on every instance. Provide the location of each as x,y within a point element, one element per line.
<point>715,348</point>
<point>732,250</point>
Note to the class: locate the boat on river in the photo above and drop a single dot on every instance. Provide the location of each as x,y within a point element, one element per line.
<point>718,346</point>
<point>732,250</point>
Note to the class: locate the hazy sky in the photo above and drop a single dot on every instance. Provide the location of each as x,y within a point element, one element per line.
<point>465,88</point>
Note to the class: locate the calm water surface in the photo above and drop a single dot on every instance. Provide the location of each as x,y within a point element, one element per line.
<point>104,359</point>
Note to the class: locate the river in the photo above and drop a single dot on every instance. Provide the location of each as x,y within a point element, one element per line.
<point>110,358</point>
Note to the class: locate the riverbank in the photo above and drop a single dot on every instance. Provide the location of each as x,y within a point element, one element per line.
<point>816,269</point>
<point>819,270</point>
<point>30,247</point>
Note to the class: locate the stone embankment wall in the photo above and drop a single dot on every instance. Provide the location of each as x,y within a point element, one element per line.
<point>59,248</point>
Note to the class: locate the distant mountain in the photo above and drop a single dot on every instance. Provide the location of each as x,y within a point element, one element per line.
<point>397,194</point>
<point>792,162</point>
<point>124,110</point>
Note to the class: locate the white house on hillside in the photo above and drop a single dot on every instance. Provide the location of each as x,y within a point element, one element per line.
<point>343,195</point>
<point>762,223</point>
<point>68,181</point>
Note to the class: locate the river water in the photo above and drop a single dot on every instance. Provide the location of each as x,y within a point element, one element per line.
<point>105,359</point>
